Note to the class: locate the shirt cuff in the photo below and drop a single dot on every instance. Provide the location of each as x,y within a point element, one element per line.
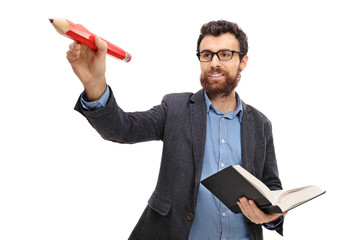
<point>273,225</point>
<point>96,105</point>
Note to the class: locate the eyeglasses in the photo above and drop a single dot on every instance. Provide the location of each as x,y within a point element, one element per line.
<point>223,55</point>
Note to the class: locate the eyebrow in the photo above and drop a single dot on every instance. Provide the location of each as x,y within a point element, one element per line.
<point>224,49</point>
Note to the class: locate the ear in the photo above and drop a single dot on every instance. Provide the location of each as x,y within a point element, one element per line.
<point>243,62</point>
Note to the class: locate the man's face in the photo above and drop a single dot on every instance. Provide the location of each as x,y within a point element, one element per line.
<point>219,78</point>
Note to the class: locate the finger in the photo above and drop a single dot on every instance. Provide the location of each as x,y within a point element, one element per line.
<point>281,214</point>
<point>243,210</point>
<point>262,216</point>
<point>74,46</point>
<point>82,47</point>
<point>101,45</point>
<point>73,51</point>
<point>249,211</point>
<point>72,55</point>
<point>245,207</point>
<point>240,206</point>
<point>257,211</point>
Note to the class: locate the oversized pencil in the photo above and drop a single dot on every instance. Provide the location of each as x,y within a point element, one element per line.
<point>82,35</point>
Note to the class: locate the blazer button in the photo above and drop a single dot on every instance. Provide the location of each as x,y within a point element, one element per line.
<point>190,216</point>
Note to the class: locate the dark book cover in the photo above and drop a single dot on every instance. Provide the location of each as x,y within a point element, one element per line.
<point>229,185</point>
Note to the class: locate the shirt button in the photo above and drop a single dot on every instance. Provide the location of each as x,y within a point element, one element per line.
<point>223,140</point>
<point>224,214</point>
<point>222,165</point>
<point>190,216</point>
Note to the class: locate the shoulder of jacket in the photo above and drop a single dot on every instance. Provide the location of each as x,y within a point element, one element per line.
<point>177,97</point>
<point>255,113</point>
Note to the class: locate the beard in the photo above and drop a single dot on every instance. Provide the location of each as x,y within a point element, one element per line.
<point>219,89</point>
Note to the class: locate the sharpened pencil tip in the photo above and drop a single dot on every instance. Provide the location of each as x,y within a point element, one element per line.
<point>51,20</point>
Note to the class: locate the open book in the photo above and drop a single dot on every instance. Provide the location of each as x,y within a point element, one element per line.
<point>234,182</point>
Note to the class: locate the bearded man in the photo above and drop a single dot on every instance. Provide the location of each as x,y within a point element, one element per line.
<point>202,133</point>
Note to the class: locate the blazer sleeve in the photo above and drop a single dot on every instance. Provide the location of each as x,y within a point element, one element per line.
<point>270,174</point>
<point>265,162</point>
<point>113,124</point>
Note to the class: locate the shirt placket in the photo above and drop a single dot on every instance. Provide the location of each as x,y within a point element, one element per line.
<point>223,163</point>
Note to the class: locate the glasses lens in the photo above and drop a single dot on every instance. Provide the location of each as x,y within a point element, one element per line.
<point>225,55</point>
<point>205,56</point>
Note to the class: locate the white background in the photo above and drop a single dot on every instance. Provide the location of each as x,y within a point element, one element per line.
<point>60,180</point>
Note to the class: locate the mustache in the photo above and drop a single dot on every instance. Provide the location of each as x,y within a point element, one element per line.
<point>216,70</point>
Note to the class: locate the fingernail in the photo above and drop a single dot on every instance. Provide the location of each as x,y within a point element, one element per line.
<point>100,40</point>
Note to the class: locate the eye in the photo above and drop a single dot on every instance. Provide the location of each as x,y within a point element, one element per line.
<point>206,55</point>
<point>225,54</point>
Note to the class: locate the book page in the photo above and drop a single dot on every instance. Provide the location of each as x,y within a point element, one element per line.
<point>277,193</point>
<point>291,198</point>
<point>256,183</point>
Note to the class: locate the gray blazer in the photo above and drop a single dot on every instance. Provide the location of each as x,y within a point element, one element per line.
<point>180,122</point>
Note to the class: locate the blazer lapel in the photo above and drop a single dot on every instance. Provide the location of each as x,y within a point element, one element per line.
<point>247,139</point>
<point>198,131</point>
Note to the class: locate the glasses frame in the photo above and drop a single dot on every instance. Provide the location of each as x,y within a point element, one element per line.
<point>217,54</point>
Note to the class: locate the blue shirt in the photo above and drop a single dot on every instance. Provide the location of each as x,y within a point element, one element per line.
<point>92,106</point>
<point>213,220</point>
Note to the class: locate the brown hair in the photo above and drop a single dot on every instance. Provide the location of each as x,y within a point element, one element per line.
<point>216,28</point>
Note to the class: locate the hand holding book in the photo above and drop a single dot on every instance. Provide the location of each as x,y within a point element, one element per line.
<point>255,214</point>
<point>234,182</point>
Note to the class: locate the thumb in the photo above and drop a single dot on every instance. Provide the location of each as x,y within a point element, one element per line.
<point>101,45</point>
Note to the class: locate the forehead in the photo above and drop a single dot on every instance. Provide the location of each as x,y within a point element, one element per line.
<point>224,41</point>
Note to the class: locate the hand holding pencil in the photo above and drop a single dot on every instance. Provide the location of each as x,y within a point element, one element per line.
<point>89,66</point>
<point>87,56</point>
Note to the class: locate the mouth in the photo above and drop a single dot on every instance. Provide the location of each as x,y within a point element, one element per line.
<point>216,76</point>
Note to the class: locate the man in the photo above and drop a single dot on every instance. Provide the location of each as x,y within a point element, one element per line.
<point>202,133</point>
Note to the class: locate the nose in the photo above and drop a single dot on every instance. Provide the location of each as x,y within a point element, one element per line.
<point>215,61</point>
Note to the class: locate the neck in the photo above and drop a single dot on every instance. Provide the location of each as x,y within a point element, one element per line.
<point>225,103</point>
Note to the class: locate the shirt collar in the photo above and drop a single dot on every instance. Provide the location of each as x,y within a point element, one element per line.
<point>209,105</point>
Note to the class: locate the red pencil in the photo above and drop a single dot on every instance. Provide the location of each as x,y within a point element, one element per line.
<point>82,35</point>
